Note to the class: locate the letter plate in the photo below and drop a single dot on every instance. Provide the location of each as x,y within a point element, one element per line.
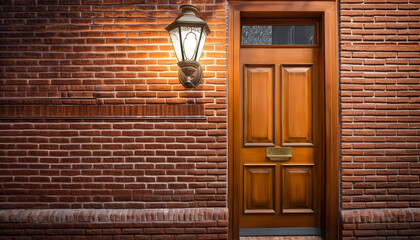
<point>278,153</point>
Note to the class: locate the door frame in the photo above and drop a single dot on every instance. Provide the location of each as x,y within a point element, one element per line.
<point>328,12</point>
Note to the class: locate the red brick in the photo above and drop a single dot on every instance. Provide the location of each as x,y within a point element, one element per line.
<point>125,58</point>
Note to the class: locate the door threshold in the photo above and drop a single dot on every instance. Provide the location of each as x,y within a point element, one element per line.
<point>282,238</point>
<point>295,231</point>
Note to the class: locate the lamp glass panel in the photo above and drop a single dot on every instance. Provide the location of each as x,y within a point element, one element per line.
<point>190,38</point>
<point>200,48</point>
<point>176,43</point>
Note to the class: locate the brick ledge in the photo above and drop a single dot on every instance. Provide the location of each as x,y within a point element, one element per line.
<point>112,215</point>
<point>381,215</point>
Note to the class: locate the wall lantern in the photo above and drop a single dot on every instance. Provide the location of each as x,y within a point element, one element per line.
<point>188,35</point>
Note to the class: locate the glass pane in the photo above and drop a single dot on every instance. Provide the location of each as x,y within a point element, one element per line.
<point>200,48</point>
<point>257,35</point>
<point>174,33</point>
<point>190,37</point>
<point>278,35</point>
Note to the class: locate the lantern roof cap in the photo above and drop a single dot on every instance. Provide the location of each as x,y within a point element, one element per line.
<point>188,18</point>
<point>188,8</point>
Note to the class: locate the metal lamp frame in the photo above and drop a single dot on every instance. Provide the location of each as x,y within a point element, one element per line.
<point>190,72</point>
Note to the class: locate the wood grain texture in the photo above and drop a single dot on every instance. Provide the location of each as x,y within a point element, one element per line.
<point>328,93</point>
<point>299,62</point>
<point>332,128</point>
<point>297,105</point>
<point>297,186</point>
<point>259,105</point>
<point>259,189</point>
<point>234,101</point>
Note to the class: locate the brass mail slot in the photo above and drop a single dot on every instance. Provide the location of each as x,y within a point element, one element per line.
<point>278,153</point>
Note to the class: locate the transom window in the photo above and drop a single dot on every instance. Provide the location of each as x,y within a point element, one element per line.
<point>278,34</point>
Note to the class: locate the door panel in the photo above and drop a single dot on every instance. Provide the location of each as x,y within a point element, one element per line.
<point>259,189</point>
<point>297,105</point>
<point>297,188</point>
<point>278,104</point>
<point>259,105</point>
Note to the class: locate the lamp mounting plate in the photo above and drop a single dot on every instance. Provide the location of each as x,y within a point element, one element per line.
<point>190,73</point>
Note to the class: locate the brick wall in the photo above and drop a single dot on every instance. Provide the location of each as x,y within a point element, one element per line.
<point>139,224</point>
<point>94,118</point>
<point>380,142</point>
<point>94,121</point>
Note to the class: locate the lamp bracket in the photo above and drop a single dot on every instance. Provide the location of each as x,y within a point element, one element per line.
<point>190,73</point>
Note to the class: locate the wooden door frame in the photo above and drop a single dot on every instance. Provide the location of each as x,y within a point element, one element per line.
<point>328,13</point>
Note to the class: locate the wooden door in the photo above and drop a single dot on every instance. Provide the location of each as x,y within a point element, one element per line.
<point>278,140</point>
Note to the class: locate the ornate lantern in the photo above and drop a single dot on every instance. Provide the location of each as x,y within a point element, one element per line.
<point>188,35</point>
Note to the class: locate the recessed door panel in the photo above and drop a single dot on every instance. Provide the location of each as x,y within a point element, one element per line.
<point>297,105</point>
<point>297,186</point>
<point>259,188</point>
<point>259,105</point>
